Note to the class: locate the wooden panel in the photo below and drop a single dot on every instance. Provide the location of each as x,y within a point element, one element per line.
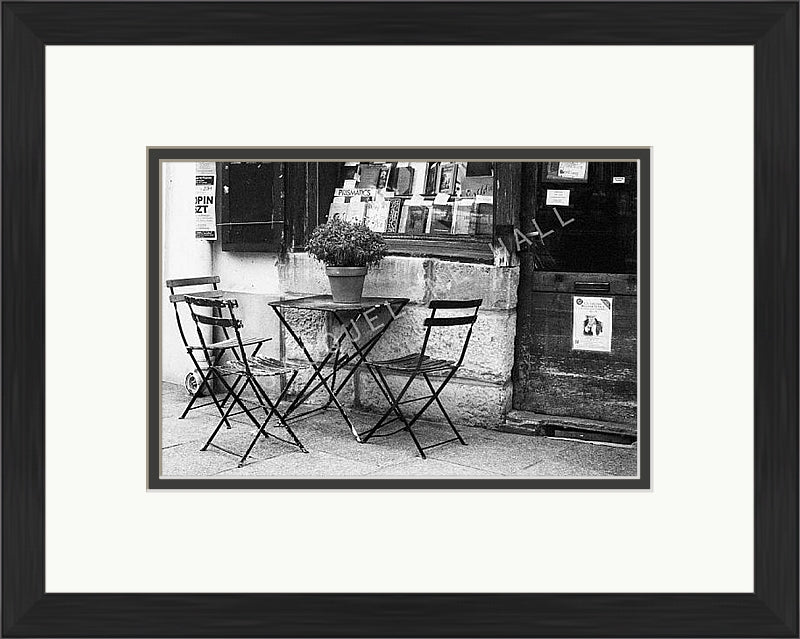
<point>296,204</point>
<point>508,190</point>
<point>550,377</point>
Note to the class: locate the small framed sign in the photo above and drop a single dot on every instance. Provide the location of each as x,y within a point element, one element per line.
<point>566,172</point>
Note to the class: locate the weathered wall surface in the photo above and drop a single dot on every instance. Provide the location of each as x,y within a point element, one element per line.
<point>253,275</point>
<point>480,394</point>
<point>182,256</point>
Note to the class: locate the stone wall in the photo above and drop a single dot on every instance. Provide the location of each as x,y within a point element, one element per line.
<point>480,394</point>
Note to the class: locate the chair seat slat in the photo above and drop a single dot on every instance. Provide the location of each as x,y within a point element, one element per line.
<point>231,342</point>
<point>193,281</point>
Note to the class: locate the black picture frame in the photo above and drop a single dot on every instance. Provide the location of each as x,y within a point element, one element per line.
<point>771,610</point>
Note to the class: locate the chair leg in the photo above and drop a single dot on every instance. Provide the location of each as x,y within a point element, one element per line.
<point>203,383</point>
<point>262,396</point>
<point>225,413</point>
<point>235,399</point>
<point>394,406</point>
<point>416,442</point>
<point>441,408</point>
<point>425,406</point>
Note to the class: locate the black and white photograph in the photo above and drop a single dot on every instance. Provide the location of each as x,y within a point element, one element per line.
<point>493,332</point>
<point>457,376</point>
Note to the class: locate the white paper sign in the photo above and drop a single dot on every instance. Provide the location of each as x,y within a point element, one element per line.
<point>348,192</point>
<point>618,180</point>
<point>591,323</point>
<point>558,197</point>
<point>416,200</point>
<point>441,198</point>
<point>205,193</point>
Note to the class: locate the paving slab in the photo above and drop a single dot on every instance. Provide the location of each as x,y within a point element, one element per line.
<point>582,459</point>
<point>299,465</point>
<point>181,431</point>
<point>418,467</point>
<point>187,460</point>
<point>495,456</point>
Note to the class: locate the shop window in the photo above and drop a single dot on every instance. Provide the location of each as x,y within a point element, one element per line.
<point>252,210</point>
<point>443,208</point>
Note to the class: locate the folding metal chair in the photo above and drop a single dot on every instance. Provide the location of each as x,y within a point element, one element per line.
<point>420,364</point>
<point>245,368</point>
<point>195,385</point>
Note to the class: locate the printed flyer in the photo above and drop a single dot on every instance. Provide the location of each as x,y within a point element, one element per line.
<point>205,218</point>
<point>591,324</point>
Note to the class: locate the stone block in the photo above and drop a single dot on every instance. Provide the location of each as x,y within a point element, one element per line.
<point>490,354</point>
<point>311,327</point>
<point>398,277</point>
<point>467,402</point>
<point>496,285</point>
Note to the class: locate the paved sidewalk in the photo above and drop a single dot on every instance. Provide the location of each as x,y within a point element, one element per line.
<point>334,453</point>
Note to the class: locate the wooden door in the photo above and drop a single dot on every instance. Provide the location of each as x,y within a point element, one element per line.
<point>586,251</point>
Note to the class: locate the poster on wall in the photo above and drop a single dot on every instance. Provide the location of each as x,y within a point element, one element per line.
<point>566,171</point>
<point>572,170</point>
<point>557,197</point>
<point>591,324</point>
<point>205,218</point>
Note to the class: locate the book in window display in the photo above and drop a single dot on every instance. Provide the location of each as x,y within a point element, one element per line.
<point>349,172</point>
<point>431,179</point>
<point>405,180</point>
<point>377,214</point>
<point>370,173</point>
<point>447,178</point>
<point>338,210</point>
<point>383,176</point>
<point>416,220</point>
<point>464,217</point>
<point>356,211</point>
<point>451,175</point>
<point>441,219</point>
<point>419,169</point>
<point>393,217</point>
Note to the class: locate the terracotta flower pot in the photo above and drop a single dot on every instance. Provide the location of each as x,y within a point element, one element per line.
<point>347,283</point>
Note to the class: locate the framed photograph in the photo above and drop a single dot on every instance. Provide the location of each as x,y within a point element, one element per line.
<point>566,172</point>
<point>710,549</point>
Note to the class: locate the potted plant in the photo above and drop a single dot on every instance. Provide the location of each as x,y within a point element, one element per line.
<point>347,250</point>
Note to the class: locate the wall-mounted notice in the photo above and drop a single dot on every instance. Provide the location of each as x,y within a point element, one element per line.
<point>572,170</point>
<point>591,324</point>
<point>558,197</point>
<point>618,180</point>
<point>205,193</point>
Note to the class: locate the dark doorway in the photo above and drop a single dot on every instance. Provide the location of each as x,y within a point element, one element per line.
<point>576,345</point>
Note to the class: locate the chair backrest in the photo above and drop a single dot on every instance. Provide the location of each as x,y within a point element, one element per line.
<point>222,315</point>
<point>177,298</point>
<point>458,320</point>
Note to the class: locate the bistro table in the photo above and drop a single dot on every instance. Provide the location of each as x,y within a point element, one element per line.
<point>348,317</point>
